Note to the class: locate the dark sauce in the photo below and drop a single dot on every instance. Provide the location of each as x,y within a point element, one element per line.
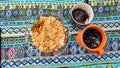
<point>80,15</point>
<point>92,38</point>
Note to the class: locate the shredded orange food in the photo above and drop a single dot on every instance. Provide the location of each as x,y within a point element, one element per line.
<point>48,34</point>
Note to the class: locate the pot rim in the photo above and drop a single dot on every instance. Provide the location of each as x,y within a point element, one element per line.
<point>104,38</point>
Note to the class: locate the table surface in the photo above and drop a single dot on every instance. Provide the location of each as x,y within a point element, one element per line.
<point>17,48</point>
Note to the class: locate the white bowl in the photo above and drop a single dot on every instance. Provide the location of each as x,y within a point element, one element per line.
<point>87,8</point>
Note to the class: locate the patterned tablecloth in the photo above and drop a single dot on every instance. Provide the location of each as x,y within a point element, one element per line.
<point>17,48</point>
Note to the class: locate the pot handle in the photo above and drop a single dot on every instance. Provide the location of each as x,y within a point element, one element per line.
<point>100,52</point>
